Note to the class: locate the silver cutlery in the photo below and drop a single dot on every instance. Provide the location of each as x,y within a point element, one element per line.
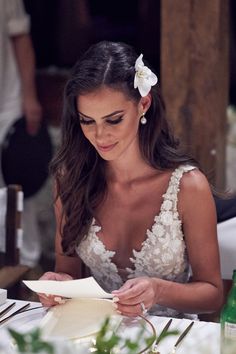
<point>181,337</point>
<point>35,308</point>
<point>164,330</point>
<point>20,310</point>
<point>7,309</point>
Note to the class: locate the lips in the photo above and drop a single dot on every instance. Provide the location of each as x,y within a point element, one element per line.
<point>105,148</point>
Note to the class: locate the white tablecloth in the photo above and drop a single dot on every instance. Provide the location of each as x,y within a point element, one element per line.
<point>203,338</point>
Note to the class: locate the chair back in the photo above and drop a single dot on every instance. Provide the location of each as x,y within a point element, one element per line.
<point>11,207</point>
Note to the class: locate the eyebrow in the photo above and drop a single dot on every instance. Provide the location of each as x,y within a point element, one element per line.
<point>106,116</point>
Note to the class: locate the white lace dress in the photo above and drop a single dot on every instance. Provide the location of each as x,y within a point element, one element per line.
<point>162,255</point>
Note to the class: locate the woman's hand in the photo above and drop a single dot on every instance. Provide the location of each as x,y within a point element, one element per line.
<point>52,300</point>
<point>136,294</point>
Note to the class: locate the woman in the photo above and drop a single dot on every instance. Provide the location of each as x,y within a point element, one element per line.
<point>129,204</point>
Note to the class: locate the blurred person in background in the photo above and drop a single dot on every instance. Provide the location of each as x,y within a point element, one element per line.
<point>18,98</point>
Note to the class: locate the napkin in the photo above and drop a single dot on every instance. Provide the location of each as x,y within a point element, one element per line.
<point>80,288</point>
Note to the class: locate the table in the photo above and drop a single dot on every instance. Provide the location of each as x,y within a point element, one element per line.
<point>204,337</point>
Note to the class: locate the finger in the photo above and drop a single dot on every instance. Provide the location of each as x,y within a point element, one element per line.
<point>147,298</point>
<point>47,302</point>
<point>43,296</point>
<point>59,300</point>
<point>131,301</point>
<point>131,295</point>
<point>127,285</point>
<point>56,298</point>
<point>48,276</point>
<point>51,300</point>
<point>46,297</point>
<point>134,310</point>
<point>64,276</point>
<point>55,276</point>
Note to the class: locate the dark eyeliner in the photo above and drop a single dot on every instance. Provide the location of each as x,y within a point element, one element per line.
<point>85,122</point>
<point>116,121</point>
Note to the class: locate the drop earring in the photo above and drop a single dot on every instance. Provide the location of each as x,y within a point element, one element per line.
<point>143,119</point>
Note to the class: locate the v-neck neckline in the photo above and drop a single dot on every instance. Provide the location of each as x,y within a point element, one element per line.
<point>134,252</point>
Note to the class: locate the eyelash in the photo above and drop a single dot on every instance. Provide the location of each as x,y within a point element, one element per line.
<point>112,122</point>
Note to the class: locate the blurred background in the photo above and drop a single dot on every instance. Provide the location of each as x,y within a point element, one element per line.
<point>185,43</point>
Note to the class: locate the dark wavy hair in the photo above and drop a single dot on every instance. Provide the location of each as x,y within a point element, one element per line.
<point>78,169</point>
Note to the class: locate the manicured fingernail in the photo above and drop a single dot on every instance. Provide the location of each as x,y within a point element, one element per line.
<point>62,302</point>
<point>59,300</point>
<point>114,305</point>
<point>115,299</point>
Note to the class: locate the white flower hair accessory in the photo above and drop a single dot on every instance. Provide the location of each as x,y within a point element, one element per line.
<point>144,78</point>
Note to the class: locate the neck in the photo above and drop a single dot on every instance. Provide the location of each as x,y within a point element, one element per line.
<point>128,169</point>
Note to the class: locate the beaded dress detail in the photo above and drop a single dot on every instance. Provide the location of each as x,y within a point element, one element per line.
<point>163,252</point>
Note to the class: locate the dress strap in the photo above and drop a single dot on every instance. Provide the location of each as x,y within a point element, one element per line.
<point>173,187</point>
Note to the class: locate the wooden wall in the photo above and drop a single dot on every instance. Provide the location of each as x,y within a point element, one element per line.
<point>195,77</point>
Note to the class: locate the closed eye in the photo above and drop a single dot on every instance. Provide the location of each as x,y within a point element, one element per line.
<point>109,121</point>
<point>86,122</point>
<point>114,121</point>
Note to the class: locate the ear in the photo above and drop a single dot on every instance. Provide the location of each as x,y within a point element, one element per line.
<point>144,104</point>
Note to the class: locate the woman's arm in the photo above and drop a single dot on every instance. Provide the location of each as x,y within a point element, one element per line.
<point>25,58</point>
<point>64,264</point>
<point>204,294</point>
<point>66,268</point>
<point>197,211</point>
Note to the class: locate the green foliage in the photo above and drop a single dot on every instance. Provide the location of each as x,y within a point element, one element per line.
<point>31,342</point>
<point>107,341</point>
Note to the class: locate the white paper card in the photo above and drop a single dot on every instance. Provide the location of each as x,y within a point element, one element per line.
<point>80,288</point>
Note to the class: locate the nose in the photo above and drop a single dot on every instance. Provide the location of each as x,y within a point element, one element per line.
<point>100,133</point>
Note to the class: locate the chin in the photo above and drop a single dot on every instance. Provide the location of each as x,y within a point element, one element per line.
<point>106,157</point>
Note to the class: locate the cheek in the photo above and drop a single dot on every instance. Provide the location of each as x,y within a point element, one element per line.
<point>132,128</point>
<point>87,131</point>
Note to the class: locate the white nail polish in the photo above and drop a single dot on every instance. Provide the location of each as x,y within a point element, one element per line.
<point>57,298</point>
<point>62,302</point>
<point>115,299</point>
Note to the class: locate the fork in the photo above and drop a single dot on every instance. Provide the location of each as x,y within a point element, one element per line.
<point>7,309</point>
<point>154,347</point>
<point>20,310</point>
<point>181,337</point>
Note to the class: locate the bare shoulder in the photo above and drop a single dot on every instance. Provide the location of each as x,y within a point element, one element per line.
<point>194,181</point>
<point>195,192</point>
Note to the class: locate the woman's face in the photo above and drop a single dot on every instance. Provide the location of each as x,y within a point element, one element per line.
<point>110,121</point>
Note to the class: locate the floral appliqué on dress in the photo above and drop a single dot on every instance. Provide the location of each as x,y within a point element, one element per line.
<point>162,255</point>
